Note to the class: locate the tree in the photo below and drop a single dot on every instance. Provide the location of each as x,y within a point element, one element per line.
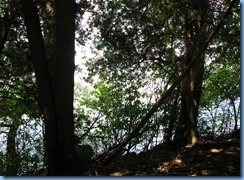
<point>221,89</point>
<point>64,83</point>
<point>56,98</point>
<point>17,90</point>
<point>8,12</point>
<point>49,57</point>
<point>99,120</point>
<point>195,22</point>
<point>128,43</point>
<point>155,58</point>
<point>17,100</point>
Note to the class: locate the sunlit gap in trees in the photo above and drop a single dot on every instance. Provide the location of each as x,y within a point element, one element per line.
<point>31,129</point>
<point>153,87</point>
<point>219,117</point>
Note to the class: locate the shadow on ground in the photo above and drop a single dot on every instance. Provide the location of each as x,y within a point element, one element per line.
<point>207,158</point>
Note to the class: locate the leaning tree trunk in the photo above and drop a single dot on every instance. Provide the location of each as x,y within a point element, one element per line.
<point>169,91</point>
<point>186,132</point>
<point>7,18</point>
<point>44,85</point>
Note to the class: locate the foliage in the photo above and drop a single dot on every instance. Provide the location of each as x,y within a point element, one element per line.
<point>220,102</point>
<point>140,47</point>
<point>19,102</point>
<point>142,42</point>
<point>107,114</point>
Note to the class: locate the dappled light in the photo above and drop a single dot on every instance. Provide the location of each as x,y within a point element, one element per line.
<point>120,88</point>
<point>216,150</point>
<point>203,159</point>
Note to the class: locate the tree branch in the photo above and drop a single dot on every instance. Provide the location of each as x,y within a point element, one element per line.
<point>167,93</point>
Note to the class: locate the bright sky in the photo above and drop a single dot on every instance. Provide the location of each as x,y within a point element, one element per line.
<point>83,53</point>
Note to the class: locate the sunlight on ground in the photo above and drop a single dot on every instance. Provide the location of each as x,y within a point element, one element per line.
<point>216,150</point>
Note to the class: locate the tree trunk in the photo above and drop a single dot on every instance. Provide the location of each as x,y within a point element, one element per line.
<point>48,10</point>
<point>195,34</point>
<point>44,85</point>
<point>64,83</point>
<point>232,102</point>
<point>12,155</point>
<point>56,94</point>
<point>8,18</point>
<point>172,118</point>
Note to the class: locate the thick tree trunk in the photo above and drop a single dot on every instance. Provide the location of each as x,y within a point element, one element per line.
<point>44,85</point>
<point>56,93</point>
<point>48,10</point>
<point>195,34</point>
<point>64,83</point>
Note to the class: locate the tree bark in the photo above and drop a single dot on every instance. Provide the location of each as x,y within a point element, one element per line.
<point>44,85</point>
<point>195,33</point>
<point>48,10</point>
<point>64,82</point>
<point>12,155</point>
<point>174,108</point>
<point>169,91</point>
<point>8,18</point>
<point>56,93</point>
<point>232,102</point>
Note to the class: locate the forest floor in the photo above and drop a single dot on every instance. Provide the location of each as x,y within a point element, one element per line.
<point>207,158</point>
